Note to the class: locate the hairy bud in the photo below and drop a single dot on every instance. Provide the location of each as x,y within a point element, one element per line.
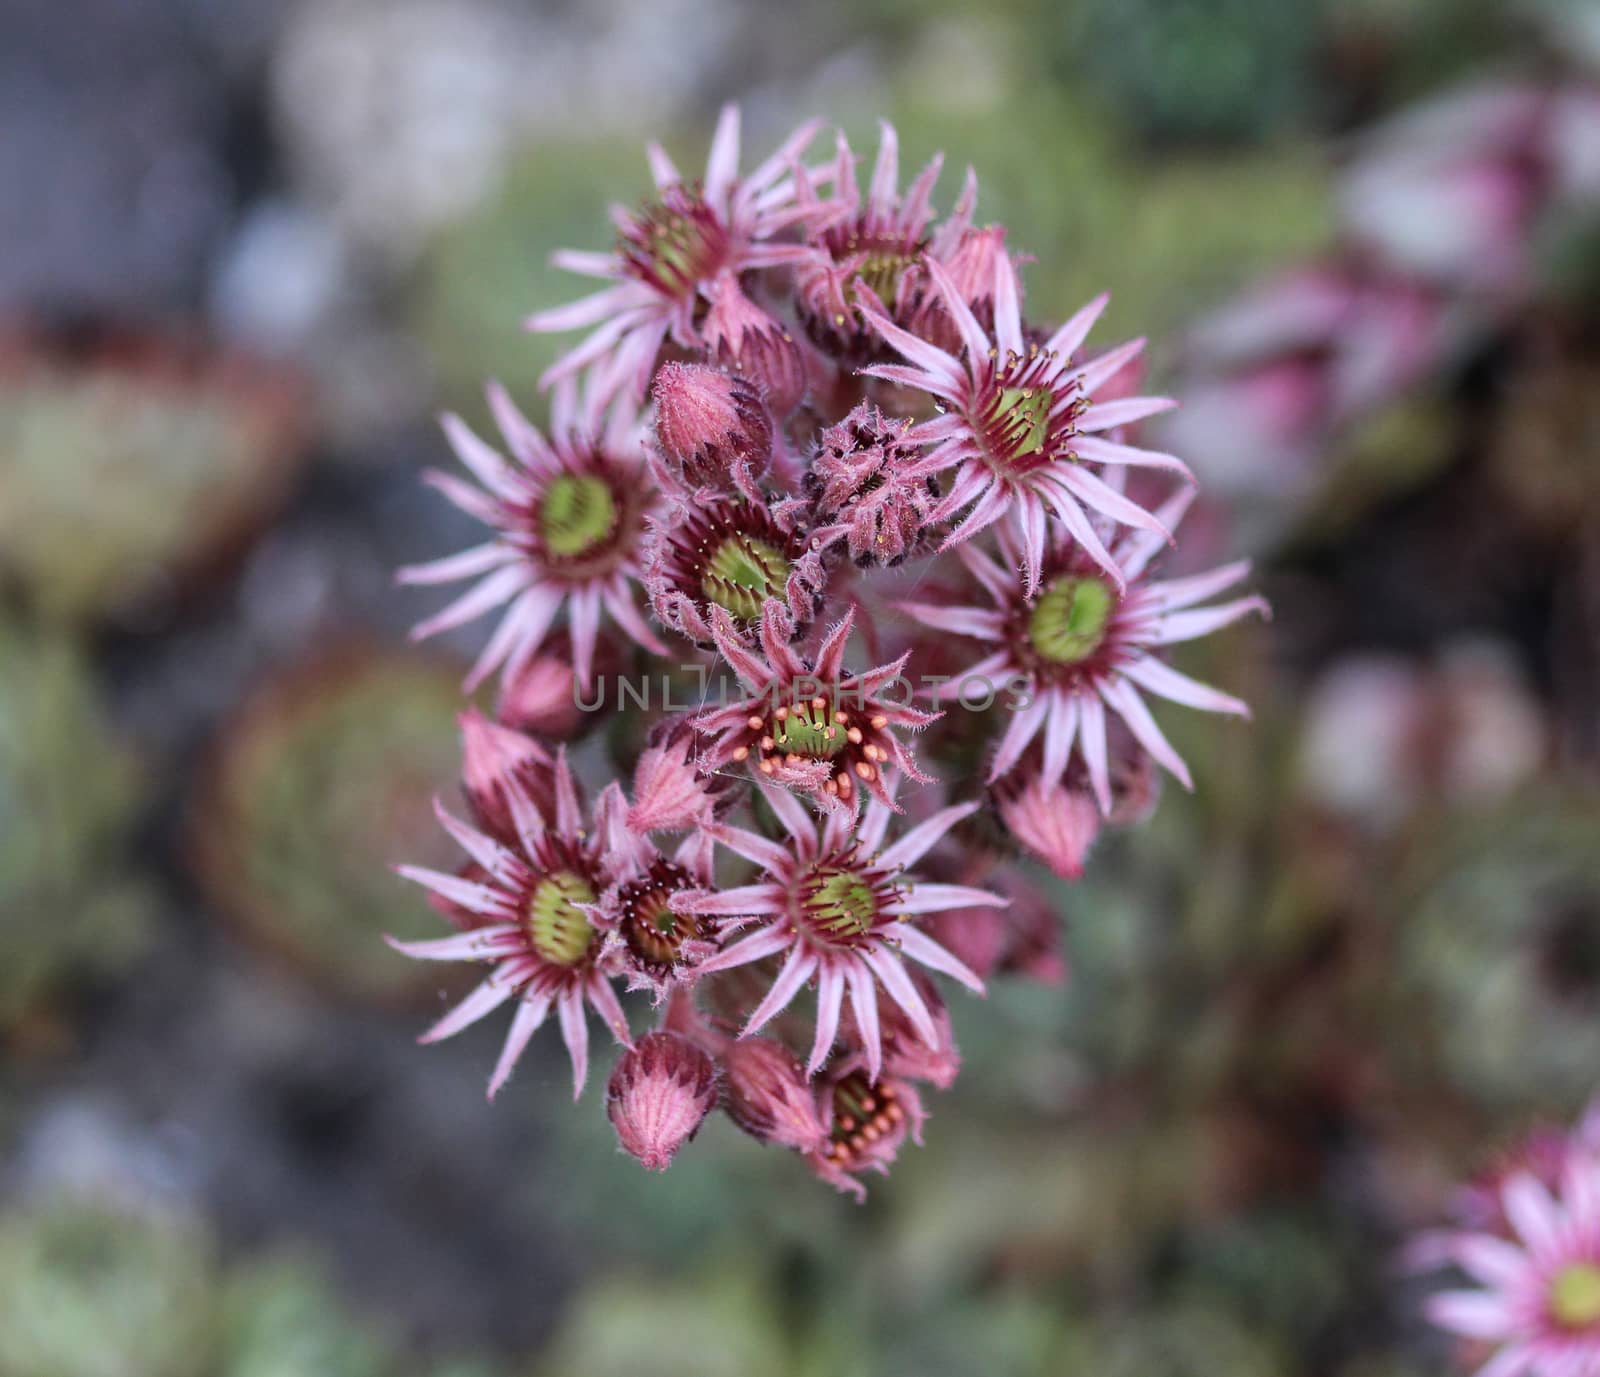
<point>714,428</point>
<point>765,1092</point>
<point>659,1094</point>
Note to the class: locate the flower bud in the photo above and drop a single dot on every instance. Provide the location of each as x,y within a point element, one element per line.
<point>659,1094</point>
<point>714,429</point>
<point>860,489</point>
<point>765,1092</point>
<point>1055,822</point>
<point>742,337</point>
<point>491,755</point>
<point>540,698</point>
<point>670,790</point>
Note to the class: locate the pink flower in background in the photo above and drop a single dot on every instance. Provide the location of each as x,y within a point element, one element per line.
<point>568,514</point>
<point>671,251</point>
<point>1086,644</point>
<point>1534,1295</point>
<point>534,906</point>
<point>838,906</point>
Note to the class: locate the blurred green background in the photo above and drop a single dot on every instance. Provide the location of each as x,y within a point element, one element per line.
<point>254,246</point>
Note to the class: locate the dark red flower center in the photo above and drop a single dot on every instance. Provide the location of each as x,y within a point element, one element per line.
<point>729,554</point>
<point>652,931</point>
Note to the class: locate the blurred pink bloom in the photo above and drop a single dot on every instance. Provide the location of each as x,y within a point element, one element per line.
<point>1052,822</point>
<point>1536,1294</point>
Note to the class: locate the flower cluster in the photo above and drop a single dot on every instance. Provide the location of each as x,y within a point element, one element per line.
<point>1528,1244</point>
<point>903,538</point>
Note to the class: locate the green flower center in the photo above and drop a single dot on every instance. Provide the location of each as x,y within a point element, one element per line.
<point>1025,413</point>
<point>577,516</point>
<point>1575,1296</point>
<point>1069,621</point>
<point>808,729</point>
<point>882,270</point>
<point>841,905</point>
<point>743,573</point>
<point>682,243</point>
<point>557,927</point>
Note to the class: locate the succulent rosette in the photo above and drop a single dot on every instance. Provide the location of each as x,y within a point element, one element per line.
<point>847,427</point>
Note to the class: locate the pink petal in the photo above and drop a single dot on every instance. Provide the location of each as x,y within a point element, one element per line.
<point>478,944</point>
<point>525,1023</point>
<point>921,839</point>
<point>483,1001</point>
<point>1121,695</point>
<point>1180,688</point>
<point>892,975</point>
<point>575,1033</point>
<point>830,998</point>
<point>478,560</point>
<point>756,947</point>
<point>1069,338</point>
<point>798,969</point>
<point>469,894</point>
<point>920,947</point>
<point>1092,733</point>
<point>490,592</point>
<point>1122,412</point>
<point>864,1000</point>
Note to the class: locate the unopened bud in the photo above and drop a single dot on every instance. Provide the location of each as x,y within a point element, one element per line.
<point>766,1093</point>
<point>714,428</point>
<point>493,755</point>
<point>742,337</point>
<point>659,1094</point>
<point>1055,822</point>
